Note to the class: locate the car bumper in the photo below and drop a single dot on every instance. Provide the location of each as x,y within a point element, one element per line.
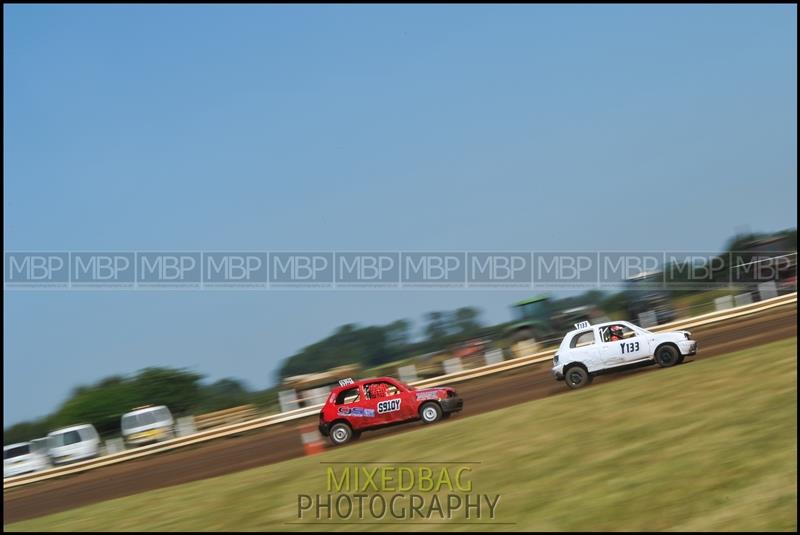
<point>146,437</point>
<point>557,373</point>
<point>66,459</point>
<point>453,404</point>
<point>688,348</point>
<point>324,429</point>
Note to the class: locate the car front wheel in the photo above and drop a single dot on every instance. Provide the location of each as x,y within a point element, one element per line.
<point>340,433</point>
<point>667,356</point>
<point>577,377</point>
<point>430,413</point>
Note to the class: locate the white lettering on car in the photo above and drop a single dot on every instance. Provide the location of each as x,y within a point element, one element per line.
<point>390,405</point>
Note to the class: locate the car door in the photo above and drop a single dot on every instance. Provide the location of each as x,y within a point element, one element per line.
<point>409,404</point>
<point>583,348</point>
<point>351,405</point>
<point>386,401</point>
<point>631,348</point>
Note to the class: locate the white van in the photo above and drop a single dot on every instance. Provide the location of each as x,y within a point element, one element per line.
<point>23,458</point>
<point>144,425</point>
<point>74,443</point>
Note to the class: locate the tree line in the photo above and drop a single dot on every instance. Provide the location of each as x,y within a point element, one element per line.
<point>103,403</point>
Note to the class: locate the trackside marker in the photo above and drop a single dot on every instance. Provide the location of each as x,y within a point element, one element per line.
<point>312,440</point>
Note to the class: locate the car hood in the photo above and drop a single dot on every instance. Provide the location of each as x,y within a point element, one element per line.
<point>438,389</point>
<point>672,336</point>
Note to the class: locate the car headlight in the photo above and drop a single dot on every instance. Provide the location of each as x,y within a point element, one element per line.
<point>688,335</point>
<point>555,360</point>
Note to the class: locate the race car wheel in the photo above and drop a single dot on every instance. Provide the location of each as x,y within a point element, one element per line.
<point>340,433</point>
<point>667,356</point>
<point>430,413</point>
<point>577,377</point>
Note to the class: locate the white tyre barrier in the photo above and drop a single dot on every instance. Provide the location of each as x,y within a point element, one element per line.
<point>648,319</point>
<point>114,445</point>
<point>185,426</point>
<point>407,374</point>
<point>288,400</point>
<point>493,357</point>
<point>768,290</point>
<point>723,303</point>
<point>452,365</point>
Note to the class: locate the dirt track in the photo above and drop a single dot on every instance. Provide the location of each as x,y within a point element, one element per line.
<point>282,442</point>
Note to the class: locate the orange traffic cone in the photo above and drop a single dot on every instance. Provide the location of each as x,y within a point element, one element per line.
<point>312,440</point>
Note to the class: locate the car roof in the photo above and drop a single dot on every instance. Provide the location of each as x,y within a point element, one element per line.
<point>604,324</point>
<point>140,410</point>
<point>70,428</point>
<point>359,382</point>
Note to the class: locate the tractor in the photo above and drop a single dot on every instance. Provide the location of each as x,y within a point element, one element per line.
<point>538,322</point>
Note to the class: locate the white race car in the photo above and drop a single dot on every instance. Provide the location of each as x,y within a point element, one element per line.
<point>23,458</point>
<point>592,350</point>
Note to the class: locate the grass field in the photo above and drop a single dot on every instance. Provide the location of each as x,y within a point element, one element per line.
<point>709,445</point>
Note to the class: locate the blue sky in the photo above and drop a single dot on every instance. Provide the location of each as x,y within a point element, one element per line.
<point>366,128</point>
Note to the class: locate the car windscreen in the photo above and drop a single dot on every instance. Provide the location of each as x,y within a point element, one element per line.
<point>16,451</point>
<point>130,421</point>
<point>65,439</point>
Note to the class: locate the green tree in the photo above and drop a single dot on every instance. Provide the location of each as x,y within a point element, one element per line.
<point>104,403</point>
<point>466,320</point>
<point>437,326</point>
<point>222,394</point>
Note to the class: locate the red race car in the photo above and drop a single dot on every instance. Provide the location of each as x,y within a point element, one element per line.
<point>357,406</point>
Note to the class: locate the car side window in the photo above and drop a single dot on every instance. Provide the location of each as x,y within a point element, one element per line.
<point>585,338</point>
<point>72,437</point>
<point>613,333</point>
<point>347,396</point>
<point>380,390</point>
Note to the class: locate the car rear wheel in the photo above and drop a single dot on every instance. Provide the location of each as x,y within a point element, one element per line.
<point>340,433</point>
<point>667,356</point>
<point>577,377</point>
<point>430,413</point>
